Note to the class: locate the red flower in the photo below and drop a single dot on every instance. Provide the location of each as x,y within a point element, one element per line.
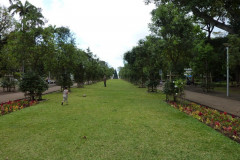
<point>233,116</point>
<point>217,123</point>
<point>2,110</point>
<point>200,114</point>
<point>229,128</point>
<point>235,133</point>
<point>225,113</point>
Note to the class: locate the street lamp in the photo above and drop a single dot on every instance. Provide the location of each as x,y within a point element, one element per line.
<point>227,47</point>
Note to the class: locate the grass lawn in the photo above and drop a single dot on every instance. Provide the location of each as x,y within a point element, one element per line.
<point>234,90</point>
<point>120,121</point>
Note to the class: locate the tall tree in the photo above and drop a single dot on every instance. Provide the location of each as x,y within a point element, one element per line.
<point>234,42</point>
<point>30,16</point>
<point>80,67</point>
<point>24,40</point>
<point>7,62</point>
<point>6,24</point>
<point>63,65</point>
<point>177,32</point>
<point>224,14</point>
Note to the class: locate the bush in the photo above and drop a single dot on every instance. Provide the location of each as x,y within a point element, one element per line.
<point>8,83</point>
<point>152,85</point>
<point>174,88</point>
<point>64,80</point>
<point>33,85</point>
<point>168,89</point>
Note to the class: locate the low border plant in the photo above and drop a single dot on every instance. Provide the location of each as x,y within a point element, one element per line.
<point>12,106</point>
<point>223,122</point>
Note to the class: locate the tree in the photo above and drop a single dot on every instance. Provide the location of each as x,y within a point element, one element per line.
<point>26,36</point>
<point>7,61</point>
<point>201,63</point>
<point>177,33</point>
<point>80,68</point>
<point>234,50</point>
<point>91,67</point>
<point>142,64</point>
<point>33,85</point>
<point>6,25</point>
<point>63,65</point>
<point>30,16</point>
<point>223,14</point>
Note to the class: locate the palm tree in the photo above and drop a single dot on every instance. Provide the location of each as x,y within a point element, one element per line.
<point>30,18</point>
<point>29,14</point>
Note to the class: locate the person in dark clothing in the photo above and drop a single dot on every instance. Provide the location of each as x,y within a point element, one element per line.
<point>105,81</point>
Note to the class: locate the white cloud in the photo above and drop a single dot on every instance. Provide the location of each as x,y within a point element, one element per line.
<point>108,27</point>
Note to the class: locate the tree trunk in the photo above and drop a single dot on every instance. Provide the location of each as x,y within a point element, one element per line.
<point>213,22</point>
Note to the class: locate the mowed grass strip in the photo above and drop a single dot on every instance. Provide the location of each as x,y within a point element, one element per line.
<point>120,121</point>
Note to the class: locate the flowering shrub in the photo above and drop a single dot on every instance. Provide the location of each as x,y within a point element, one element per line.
<point>227,124</point>
<point>13,106</point>
<point>174,88</point>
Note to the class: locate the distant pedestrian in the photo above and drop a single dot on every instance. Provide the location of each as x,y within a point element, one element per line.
<point>105,81</point>
<point>65,95</point>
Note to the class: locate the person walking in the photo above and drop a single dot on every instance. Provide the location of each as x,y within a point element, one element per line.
<point>65,95</point>
<point>105,81</point>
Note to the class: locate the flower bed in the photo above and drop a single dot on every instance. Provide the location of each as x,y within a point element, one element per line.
<point>227,124</point>
<point>13,106</point>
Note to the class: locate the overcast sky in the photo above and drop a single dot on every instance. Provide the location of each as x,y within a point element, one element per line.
<point>108,27</point>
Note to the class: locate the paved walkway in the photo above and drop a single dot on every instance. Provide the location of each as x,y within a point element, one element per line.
<point>214,100</point>
<point>6,96</point>
<point>223,104</point>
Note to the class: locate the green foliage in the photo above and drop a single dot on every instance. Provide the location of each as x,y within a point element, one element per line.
<point>174,88</point>
<point>168,89</point>
<point>179,85</point>
<point>28,46</point>
<point>30,16</point>
<point>203,55</point>
<point>234,50</point>
<point>33,85</point>
<point>143,63</point>
<point>152,85</point>
<point>223,14</point>
<point>8,83</point>
<point>6,25</point>
<point>177,32</point>
<point>64,80</point>
<point>234,54</point>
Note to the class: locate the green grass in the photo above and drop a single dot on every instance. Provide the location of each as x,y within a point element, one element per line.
<point>234,90</point>
<point>119,122</point>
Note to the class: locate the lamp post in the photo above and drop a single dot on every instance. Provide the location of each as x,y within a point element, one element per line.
<point>227,73</point>
<point>227,47</point>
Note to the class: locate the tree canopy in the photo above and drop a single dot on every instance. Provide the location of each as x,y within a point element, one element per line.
<point>224,14</point>
<point>28,45</point>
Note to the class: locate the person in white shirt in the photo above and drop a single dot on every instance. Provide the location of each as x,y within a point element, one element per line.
<point>65,95</point>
